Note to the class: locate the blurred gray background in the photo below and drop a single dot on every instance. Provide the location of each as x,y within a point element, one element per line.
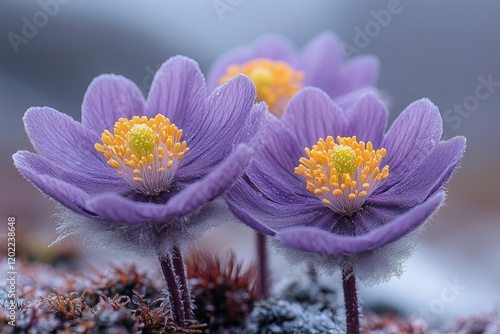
<point>441,50</point>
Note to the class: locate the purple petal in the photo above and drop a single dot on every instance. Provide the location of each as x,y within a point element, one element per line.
<point>320,60</point>
<point>426,178</point>
<point>411,137</point>
<point>311,115</point>
<point>370,217</point>
<point>108,98</point>
<point>374,216</point>
<point>358,72</point>
<point>86,180</point>
<point>64,141</point>
<point>178,92</point>
<point>368,119</point>
<point>324,242</point>
<point>269,217</point>
<point>272,47</point>
<point>255,123</point>
<point>229,107</point>
<point>64,193</point>
<point>272,169</point>
<point>122,210</point>
<point>349,100</point>
<point>214,184</point>
<point>230,112</point>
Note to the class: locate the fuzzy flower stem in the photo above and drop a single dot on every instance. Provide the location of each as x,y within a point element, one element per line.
<point>180,270</point>
<point>350,300</point>
<point>263,265</point>
<point>174,290</point>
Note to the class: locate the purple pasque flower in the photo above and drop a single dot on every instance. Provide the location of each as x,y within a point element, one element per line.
<point>138,173</point>
<point>355,191</point>
<point>279,70</point>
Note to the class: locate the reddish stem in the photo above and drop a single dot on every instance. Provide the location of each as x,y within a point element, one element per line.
<point>175,294</point>
<point>263,266</point>
<point>180,271</point>
<point>350,300</point>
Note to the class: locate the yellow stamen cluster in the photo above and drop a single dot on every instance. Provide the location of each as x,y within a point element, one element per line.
<point>343,173</point>
<point>276,81</point>
<point>144,151</point>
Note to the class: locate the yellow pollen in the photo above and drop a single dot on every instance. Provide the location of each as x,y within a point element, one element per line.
<point>343,173</point>
<point>261,76</point>
<point>344,159</point>
<point>276,81</point>
<point>145,152</point>
<point>141,139</point>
